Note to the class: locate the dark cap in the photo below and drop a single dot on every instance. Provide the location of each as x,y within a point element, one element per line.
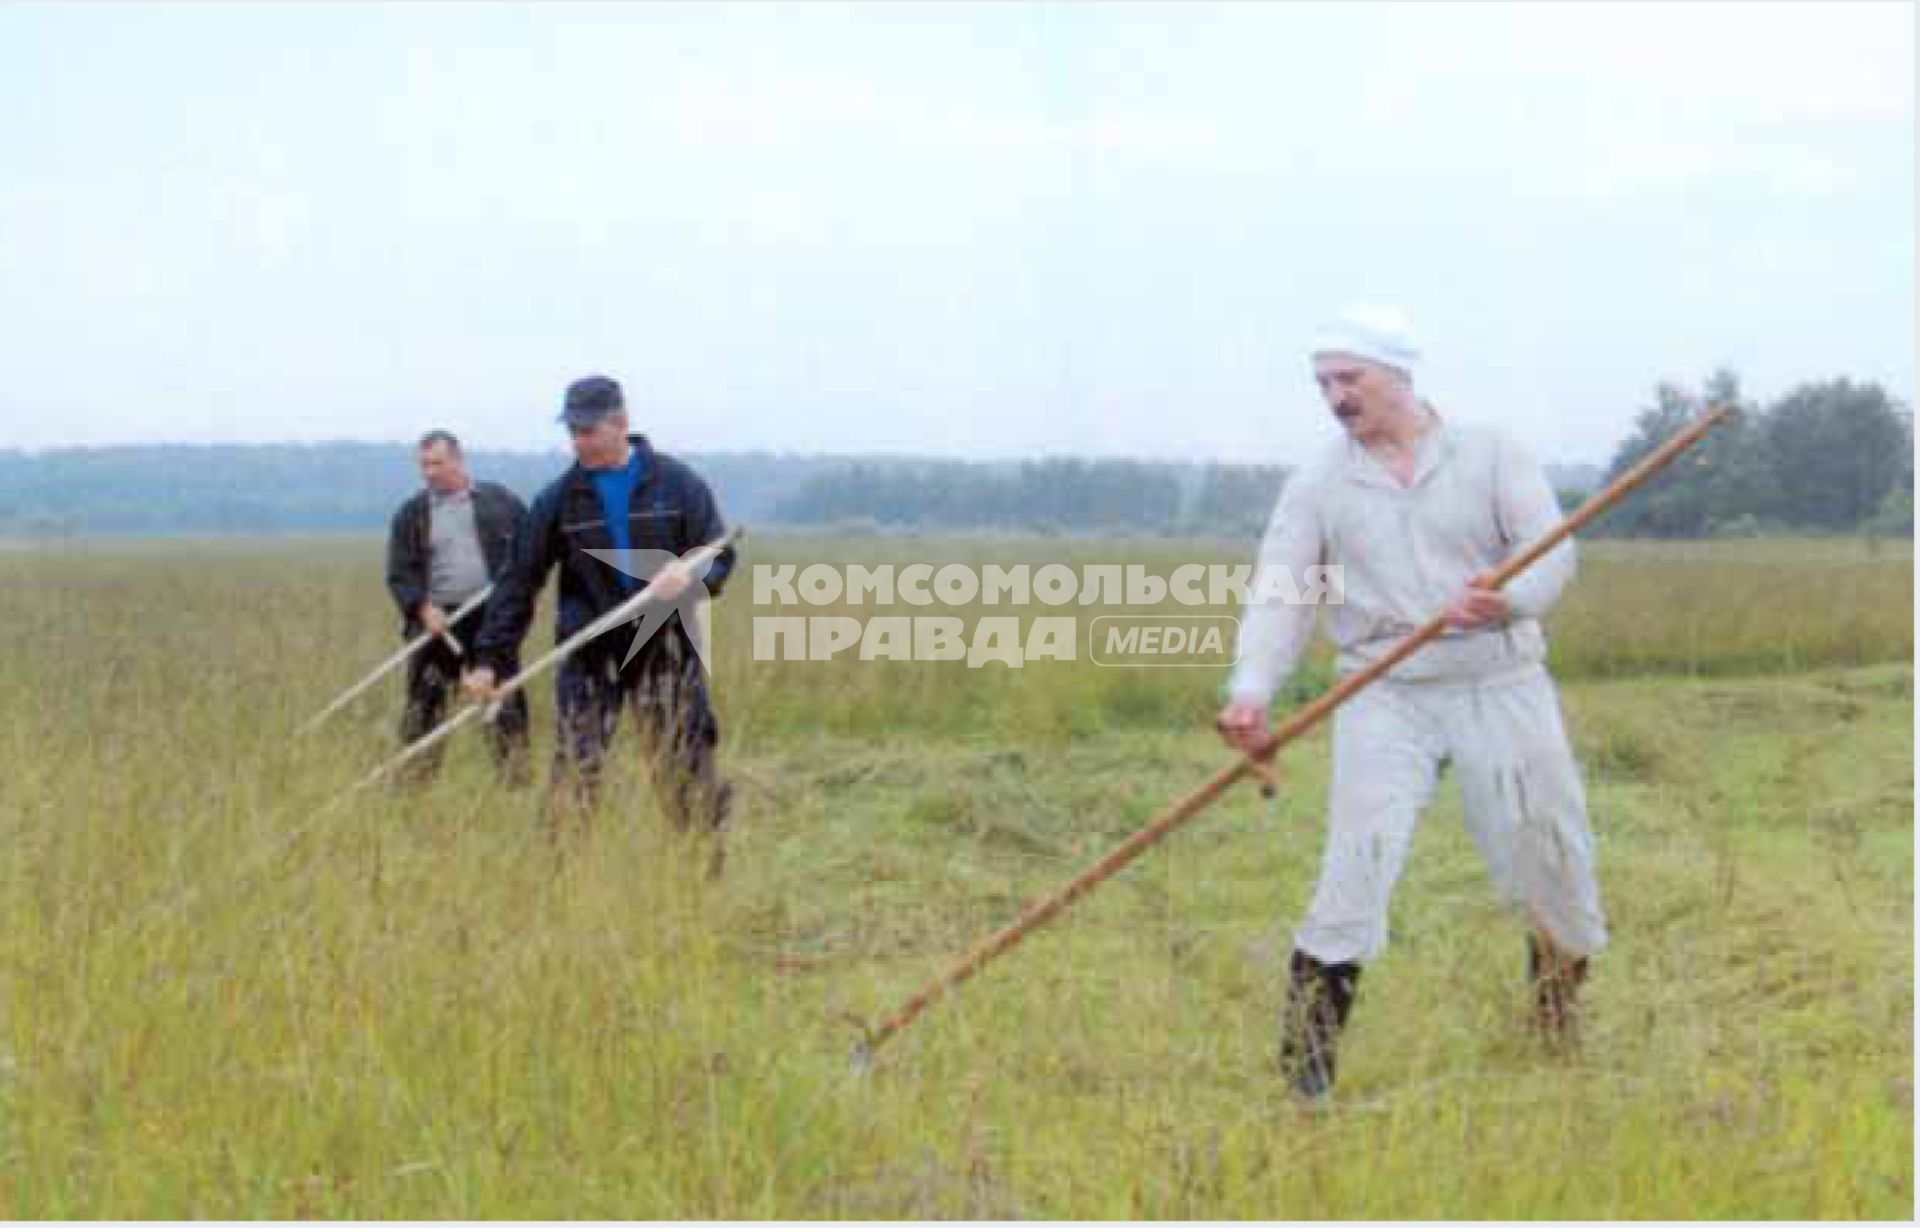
<point>590,400</point>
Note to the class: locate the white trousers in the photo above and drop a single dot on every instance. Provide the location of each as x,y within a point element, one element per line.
<point>1525,808</point>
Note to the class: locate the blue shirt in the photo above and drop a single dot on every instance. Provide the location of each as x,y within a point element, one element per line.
<point>616,487</point>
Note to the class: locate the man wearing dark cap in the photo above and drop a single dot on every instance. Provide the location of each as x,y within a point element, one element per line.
<point>446,544</point>
<point>621,500</point>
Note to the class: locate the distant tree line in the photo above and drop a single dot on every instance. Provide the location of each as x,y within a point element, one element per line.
<point>336,487</point>
<point>347,487</point>
<point>1834,457</point>
<point>1827,458</point>
<point>1054,496</point>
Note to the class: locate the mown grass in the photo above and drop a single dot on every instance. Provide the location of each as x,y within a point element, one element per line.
<point>219,998</point>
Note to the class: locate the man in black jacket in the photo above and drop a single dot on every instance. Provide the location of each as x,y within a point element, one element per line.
<point>622,501</point>
<point>446,544</point>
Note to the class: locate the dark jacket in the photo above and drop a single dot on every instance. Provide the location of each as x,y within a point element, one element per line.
<point>671,509</point>
<point>497,513</point>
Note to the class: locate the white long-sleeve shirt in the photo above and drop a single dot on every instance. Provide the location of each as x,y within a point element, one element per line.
<point>1403,553</point>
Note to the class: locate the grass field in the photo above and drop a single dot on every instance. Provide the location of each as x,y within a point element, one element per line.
<point>217,999</point>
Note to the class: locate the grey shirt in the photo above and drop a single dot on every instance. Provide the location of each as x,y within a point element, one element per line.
<point>1404,552</point>
<point>457,567</point>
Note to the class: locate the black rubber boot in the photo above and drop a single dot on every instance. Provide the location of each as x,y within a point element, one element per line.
<point>1556,985</point>
<point>1319,997</point>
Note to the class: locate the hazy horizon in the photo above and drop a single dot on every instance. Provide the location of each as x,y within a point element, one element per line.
<point>560,452</point>
<point>973,232</point>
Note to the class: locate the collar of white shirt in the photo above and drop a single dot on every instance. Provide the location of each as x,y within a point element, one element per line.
<point>1429,452</point>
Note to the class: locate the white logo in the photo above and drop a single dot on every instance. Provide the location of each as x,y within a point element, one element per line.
<point>692,602</point>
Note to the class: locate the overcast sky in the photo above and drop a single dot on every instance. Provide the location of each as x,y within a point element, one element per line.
<point>991,231</point>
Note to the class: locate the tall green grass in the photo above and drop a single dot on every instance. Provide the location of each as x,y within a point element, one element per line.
<point>220,998</point>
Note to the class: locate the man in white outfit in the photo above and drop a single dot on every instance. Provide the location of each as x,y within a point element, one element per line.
<point>1413,511</point>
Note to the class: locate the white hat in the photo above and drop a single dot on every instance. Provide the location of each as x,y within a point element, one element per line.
<point>1376,334</point>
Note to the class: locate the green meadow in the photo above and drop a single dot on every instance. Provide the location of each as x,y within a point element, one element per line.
<point>225,994</point>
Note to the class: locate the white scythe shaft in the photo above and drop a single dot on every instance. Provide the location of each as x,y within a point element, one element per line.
<point>412,646</point>
<point>696,563</point>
